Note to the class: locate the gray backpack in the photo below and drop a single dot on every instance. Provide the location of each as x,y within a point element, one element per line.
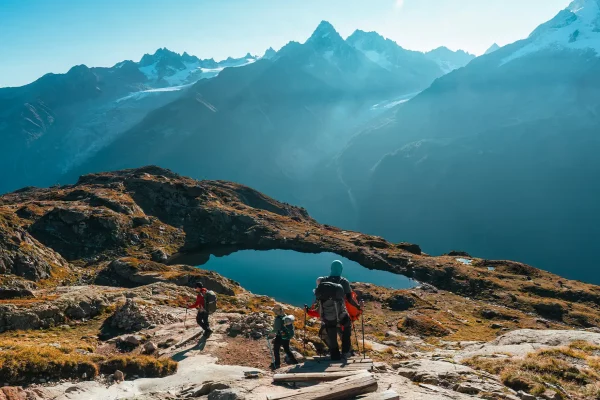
<point>210,298</point>
<point>330,296</point>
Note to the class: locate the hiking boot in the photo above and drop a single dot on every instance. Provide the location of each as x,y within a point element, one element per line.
<point>347,355</point>
<point>274,367</point>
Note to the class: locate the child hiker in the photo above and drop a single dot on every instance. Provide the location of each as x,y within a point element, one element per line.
<point>283,332</point>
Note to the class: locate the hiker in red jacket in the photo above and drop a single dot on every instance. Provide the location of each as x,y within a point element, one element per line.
<point>202,317</point>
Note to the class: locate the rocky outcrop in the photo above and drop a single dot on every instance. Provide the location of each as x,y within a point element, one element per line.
<point>133,272</point>
<point>134,316</point>
<point>78,232</point>
<point>151,213</point>
<point>255,325</point>
<point>21,254</point>
<point>44,312</point>
<point>523,341</point>
<point>458,378</point>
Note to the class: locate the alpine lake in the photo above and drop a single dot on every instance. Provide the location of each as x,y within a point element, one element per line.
<point>290,277</point>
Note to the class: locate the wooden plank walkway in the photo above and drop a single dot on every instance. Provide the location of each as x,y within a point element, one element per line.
<point>313,376</point>
<point>339,389</point>
<point>337,380</point>
<point>318,368</point>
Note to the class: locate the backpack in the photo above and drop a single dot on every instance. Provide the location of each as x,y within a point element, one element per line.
<point>353,312</point>
<point>330,296</point>
<point>210,301</point>
<point>287,332</point>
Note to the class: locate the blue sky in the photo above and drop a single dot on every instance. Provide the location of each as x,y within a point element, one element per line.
<point>40,36</point>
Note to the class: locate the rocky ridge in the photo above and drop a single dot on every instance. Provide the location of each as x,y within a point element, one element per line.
<point>108,267</point>
<point>153,214</point>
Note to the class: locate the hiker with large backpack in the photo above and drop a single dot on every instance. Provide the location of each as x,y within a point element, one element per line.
<point>206,303</point>
<point>332,293</point>
<point>353,312</point>
<point>283,332</point>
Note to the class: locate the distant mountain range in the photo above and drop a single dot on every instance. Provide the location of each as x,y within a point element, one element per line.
<point>496,155</point>
<point>499,157</point>
<point>53,125</point>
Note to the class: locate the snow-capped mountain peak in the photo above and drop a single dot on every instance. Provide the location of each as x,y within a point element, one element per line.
<point>325,35</point>
<point>575,28</point>
<point>375,47</point>
<point>166,68</point>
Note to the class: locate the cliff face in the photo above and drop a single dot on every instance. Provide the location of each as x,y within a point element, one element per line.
<point>75,233</point>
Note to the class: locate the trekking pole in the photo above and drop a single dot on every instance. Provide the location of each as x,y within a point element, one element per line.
<point>304,344</point>
<point>270,351</point>
<point>356,337</point>
<point>362,321</point>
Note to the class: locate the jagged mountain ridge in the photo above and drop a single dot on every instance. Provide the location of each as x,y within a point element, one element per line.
<point>272,124</point>
<point>495,156</point>
<point>54,124</point>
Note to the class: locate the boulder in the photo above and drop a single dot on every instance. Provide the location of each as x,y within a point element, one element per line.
<point>255,325</point>
<point>225,394</point>
<point>411,248</point>
<point>159,255</point>
<point>401,302</point>
<point>119,376</point>
<point>133,317</point>
<point>210,386</point>
<point>133,339</point>
<point>150,347</point>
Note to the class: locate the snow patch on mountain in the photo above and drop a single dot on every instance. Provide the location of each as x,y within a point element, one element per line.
<point>575,28</point>
<point>144,93</point>
<point>179,72</point>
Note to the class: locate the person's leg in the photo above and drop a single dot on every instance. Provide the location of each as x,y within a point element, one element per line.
<point>199,320</point>
<point>276,347</point>
<point>286,349</point>
<point>346,336</point>
<point>206,326</point>
<point>334,349</point>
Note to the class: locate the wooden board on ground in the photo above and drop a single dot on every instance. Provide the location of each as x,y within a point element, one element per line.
<point>340,389</point>
<point>355,359</point>
<point>387,395</point>
<point>313,376</point>
<point>328,366</point>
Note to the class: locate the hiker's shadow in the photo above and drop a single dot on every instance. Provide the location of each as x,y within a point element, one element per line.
<point>182,355</point>
<point>317,366</point>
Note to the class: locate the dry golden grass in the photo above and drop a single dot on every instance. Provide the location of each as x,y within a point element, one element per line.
<point>574,368</point>
<point>68,353</point>
<point>141,366</point>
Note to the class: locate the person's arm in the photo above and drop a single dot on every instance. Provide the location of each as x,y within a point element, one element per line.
<point>201,299</point>
<point>348,291</point>
<point>313,311</point>
<point>277,325</point>
<point>197,303</point>
<point>351,301</point>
